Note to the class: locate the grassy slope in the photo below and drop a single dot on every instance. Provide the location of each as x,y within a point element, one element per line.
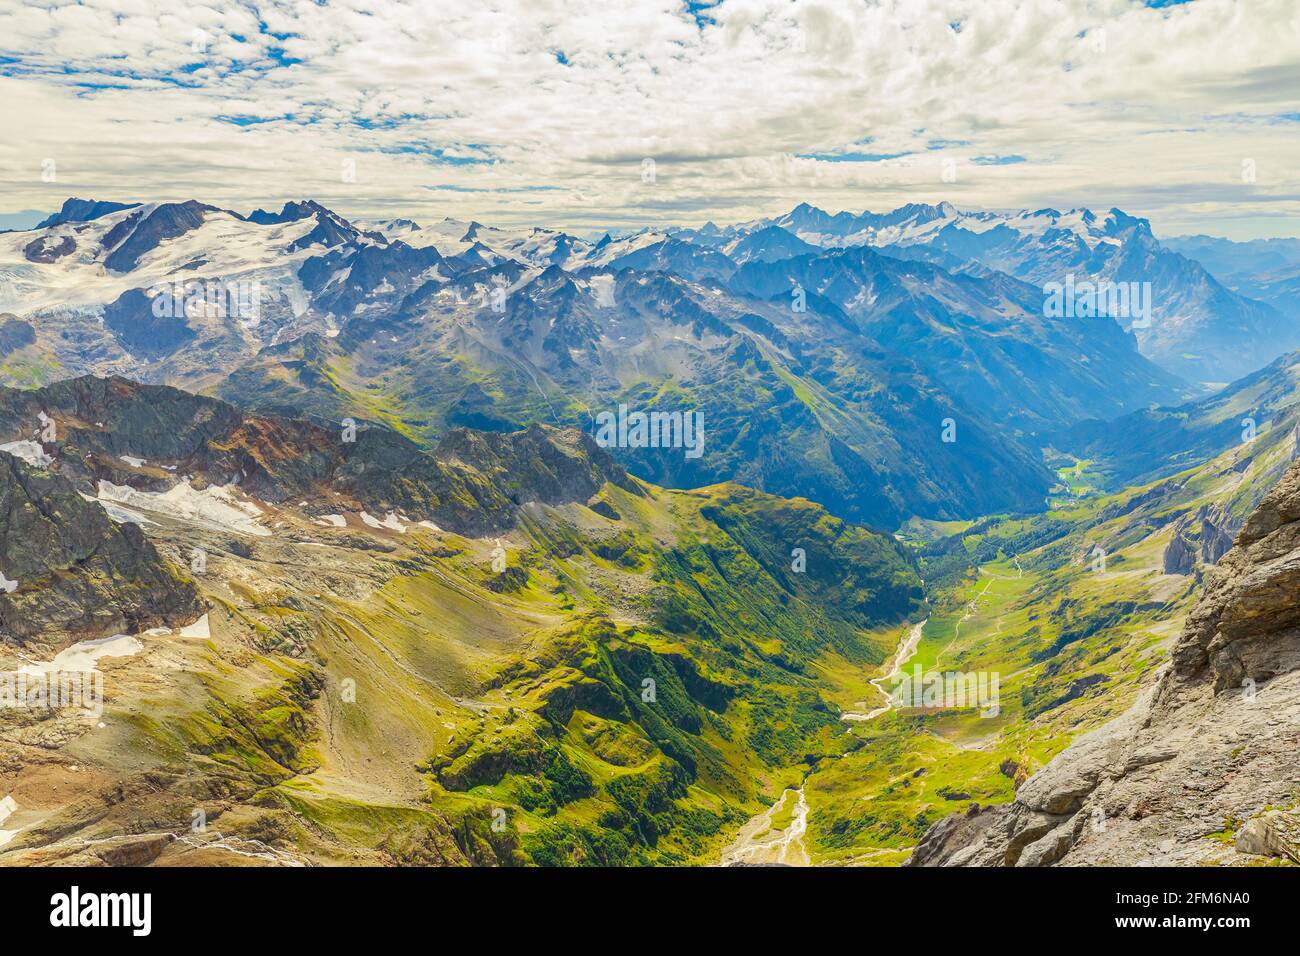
<point>518,698</point>
<point>391,705</point>
<point>389,702</point>
<point>595,772</point>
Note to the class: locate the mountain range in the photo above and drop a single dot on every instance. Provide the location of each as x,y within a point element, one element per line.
<point>1199,330</point>
<point>858,338</point>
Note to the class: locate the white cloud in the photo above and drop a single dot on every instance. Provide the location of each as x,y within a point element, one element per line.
<point>467,110</point>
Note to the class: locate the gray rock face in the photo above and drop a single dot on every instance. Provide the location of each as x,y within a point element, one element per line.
<point>49,249</point>
<point>1273,833</point>
<point>82,210</point>
<point>1208,534</point>
<point>1216,739</point>
<point>1179,558</point>
<point>167,221</point>
<point>70,572</point>
<point>1216,536</point>
<point>961,838</point>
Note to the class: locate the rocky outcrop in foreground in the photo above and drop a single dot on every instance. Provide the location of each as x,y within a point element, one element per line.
<point>1205,767</point>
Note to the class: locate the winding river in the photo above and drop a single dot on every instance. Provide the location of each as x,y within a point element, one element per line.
<point>757,842</point>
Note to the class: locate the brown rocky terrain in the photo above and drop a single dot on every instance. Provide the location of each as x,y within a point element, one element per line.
<point>1205,767</point>
<point>150,438</point>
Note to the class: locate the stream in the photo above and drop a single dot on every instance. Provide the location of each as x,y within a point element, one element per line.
<point>757,842</point>
<point>906,651</point>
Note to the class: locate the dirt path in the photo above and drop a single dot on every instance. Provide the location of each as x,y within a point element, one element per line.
<point>956,628</point>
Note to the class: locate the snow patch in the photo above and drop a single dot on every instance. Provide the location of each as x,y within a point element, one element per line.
<point>199,628</point>
<point>602,288</point>
<point>7,807</point>
<point>334,521</point>
<point>84,655</point>
<point>132,460</point>
<point>215,508</point>
<point>390,521</point>
<point>118,513</point>
<point>29,451</point>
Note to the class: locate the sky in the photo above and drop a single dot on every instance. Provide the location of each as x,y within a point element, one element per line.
<point>619,114</point>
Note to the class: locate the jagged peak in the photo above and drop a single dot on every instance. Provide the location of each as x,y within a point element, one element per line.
<point>1123,220</point>
<point>294,210</point>
<point>83,210</point>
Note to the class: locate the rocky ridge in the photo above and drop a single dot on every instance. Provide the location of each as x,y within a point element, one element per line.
<point>152,438</point>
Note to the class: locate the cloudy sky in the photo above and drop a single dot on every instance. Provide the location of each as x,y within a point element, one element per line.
<point>552,112</point>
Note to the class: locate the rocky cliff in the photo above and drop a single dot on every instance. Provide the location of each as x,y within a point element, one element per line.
<point>1208,533</point>
<point>68,571</point>
<point>1205,768</point>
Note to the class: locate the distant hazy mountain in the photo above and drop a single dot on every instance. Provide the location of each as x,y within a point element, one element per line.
<point>796,401</point>
<point>984,337</point>
<point>769,244</point>
<point>1226,258</point>
<point>24,219</point>
<point>1252,412</point>
<point>1264,269</point>
<point>1200,330</point>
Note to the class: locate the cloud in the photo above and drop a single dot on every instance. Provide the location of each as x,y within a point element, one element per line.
<point>747,106</point>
